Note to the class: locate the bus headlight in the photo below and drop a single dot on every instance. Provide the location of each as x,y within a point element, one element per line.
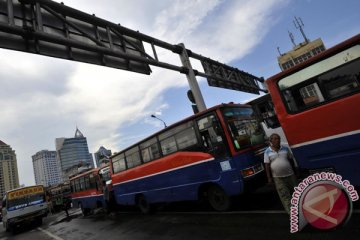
<point>247,172</point>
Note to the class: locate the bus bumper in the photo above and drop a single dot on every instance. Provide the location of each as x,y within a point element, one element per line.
<point>12,222</point>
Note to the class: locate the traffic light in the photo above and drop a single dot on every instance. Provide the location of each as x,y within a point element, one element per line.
<point>192,100</point>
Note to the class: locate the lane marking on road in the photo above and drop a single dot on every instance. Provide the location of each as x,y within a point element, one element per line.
<point>50,234</point>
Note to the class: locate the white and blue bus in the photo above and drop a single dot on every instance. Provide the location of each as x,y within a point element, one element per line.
<point>24,205</point>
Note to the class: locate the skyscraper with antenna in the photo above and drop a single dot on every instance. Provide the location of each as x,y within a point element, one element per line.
<point>72,154</point>
<point>302,51</point>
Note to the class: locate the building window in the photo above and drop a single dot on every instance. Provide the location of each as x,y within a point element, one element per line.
<point>288,64</point>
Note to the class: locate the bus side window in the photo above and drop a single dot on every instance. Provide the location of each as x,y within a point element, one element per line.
<point>3,203</point>
<point>92,181</point>
<point>302,96</point>
<point>99,186</point>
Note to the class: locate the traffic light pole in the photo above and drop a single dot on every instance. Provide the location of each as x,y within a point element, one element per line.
<point>194,86</point>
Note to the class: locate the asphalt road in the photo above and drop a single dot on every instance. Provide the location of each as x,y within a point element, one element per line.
<point>255,216</point>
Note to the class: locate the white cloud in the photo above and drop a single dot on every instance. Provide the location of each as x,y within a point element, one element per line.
<point>183,18</point>
<point>234,32</point>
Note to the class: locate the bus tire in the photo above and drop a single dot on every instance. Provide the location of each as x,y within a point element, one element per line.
<point>144,206</point>
<point>7,227</point>
<point>38,221</point>
<point>85,211</point>
<point>13,230</point>
<point>218,199</point>
<point>99,204</point>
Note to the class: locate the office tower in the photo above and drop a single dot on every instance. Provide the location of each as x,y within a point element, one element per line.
<point>102,156</point>
<point>9,176</point>
<point>46,168</point>
<point>73,153</point>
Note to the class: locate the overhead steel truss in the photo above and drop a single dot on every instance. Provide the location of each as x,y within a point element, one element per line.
<point>49,28</point>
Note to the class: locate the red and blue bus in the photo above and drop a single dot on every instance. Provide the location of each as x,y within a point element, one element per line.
<point>317,103</point>
<point>87,189</point>
<point>211,156</point>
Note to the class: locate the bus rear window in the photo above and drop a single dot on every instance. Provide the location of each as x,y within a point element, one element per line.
<point>332,78</point>
<point>238,112</point>
<point>342,81</point>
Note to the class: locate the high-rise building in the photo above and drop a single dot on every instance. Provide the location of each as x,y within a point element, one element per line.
<point>46,168</point>
<point>102,156</point>
<point>300,52</point>
<point>72,152</point>
<point>9,176</point>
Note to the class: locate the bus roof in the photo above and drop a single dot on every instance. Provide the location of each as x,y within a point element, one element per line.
<point>223,105</point>
<point>231,104</point>
<point>94,170</point>
<point>24,191</point>
<point>57,186</point>
<point>333,50</point>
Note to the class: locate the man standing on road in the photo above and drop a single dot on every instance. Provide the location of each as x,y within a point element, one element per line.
<point>66,205</point>
<point>280,169</point>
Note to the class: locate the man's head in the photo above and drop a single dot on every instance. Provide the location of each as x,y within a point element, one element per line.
<point>275,140</point>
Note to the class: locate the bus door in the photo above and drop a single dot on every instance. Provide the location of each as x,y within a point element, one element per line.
<point>95,182</point>
<point>265,111</point>
<point>213,140</point>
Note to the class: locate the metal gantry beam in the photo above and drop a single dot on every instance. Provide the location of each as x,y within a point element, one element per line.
<point>49,28</point>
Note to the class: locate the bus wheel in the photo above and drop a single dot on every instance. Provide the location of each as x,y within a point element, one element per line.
<point>38,221</point>
<point>7,227</point>
<point>144,206</point>
<point>218,199</point>
<point>84,211</point>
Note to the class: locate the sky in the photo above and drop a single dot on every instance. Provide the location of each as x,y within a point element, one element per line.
<point>43,98</point>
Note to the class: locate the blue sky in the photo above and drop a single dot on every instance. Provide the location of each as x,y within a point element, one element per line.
<point>45,98</point>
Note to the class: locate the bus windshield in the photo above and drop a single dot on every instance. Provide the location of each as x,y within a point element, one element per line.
<point>245,130</point>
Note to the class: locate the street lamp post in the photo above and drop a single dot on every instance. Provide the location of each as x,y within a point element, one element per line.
<point>153,116</point>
